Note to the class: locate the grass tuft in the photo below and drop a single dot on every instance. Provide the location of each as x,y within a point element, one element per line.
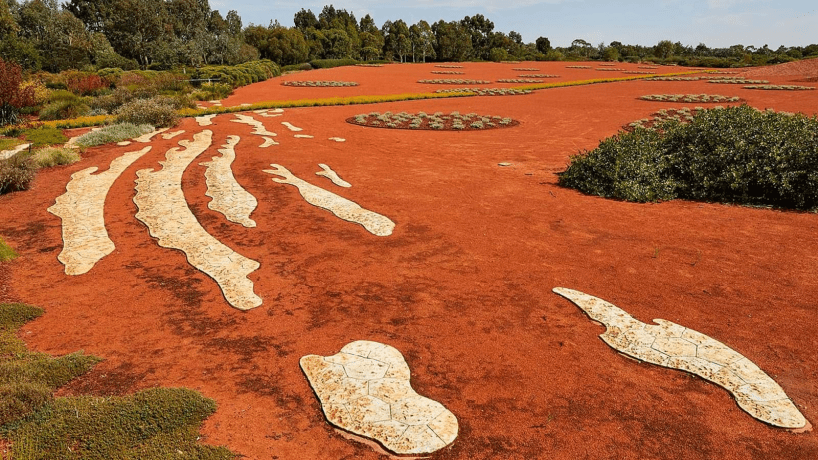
<point>6,252</point>
<point>54,156</point>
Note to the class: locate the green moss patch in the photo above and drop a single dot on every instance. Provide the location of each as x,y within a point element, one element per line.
<point>6,252</point>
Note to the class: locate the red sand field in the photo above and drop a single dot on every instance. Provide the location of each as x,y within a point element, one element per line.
<point>462,287</point>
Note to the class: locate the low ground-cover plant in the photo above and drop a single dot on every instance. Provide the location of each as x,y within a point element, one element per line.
<point>455,82</point>
<point>731,155</point>
<point>526,69</point>
<point>113,133</point>
<point>8,144</point>
<point>518,80</point>
<point>609,69</point>
<point>448,72</point>
<point>538,75</point>
<point>681,115</point>
<point>486,91</point>
<point>446,66</point>
<point>690,98</point>
<point>608,64</point>
<point>577,67</point>
<point>639,72</point>
<point>44,135</point>
<point>369,65</point>
<point>647,67</point>
<point>674,78</point>
<point>781,87</point>
<point>159,423</point>
<point>6,252</point>
<point>319,84</point>
<point>455,121</point>
<point>737,81</point>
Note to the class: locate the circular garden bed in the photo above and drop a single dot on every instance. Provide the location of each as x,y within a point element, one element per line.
<point>438,121</point>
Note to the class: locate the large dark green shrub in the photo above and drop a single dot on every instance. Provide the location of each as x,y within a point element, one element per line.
<point>732,155</point>
<point>329,63</point>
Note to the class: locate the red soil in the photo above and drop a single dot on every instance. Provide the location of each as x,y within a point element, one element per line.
<point>462,287</point>
<point>807,68</point>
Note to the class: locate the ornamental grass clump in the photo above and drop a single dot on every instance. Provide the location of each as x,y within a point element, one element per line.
<point>538,75</point>
<point>737,81</point>
<point>448,72</point>
<point>455,82</point>
<point>730,155</point>
<point>487,91</point>
<point>16,173</point>
<point>54,156</point>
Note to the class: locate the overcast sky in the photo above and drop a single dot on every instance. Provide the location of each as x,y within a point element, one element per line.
<point>716,23</point>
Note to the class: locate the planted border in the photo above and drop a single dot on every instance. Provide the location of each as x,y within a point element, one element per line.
<point>781,87</point>
<point>437,121</point>
<point>318,84</point>
<point>454,81</point>
<point>486,91</point>
<point>715,98</point>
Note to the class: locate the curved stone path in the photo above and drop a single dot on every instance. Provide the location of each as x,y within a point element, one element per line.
<point>365,389</point>
<point>229,198</point>
<point>677,347</point>
<point>345,209</point>
<point>81,208</point>
<point>332,175</point>
<point>162,207</point>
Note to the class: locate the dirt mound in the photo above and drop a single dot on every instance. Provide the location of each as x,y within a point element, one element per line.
<point>807,68</point>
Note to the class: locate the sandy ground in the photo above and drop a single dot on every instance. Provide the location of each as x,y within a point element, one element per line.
<point>462,287</point>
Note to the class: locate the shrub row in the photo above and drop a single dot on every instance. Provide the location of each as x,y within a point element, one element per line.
<point>689,98</point>
<point>330,63</point>
<point>733,155</point>
<point>239,75</point>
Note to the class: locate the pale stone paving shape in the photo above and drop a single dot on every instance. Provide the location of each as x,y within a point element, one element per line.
<point>6,154</point>
<point>205,120</point>
<point>173,134</point>
<point>365,389</point>
<point>146,138</point>
<point>291,127</point>
<point>229,198</point>
<point>81,208</point>
<point>258,127</point>
<point>332,175</point>
<point>345,209</point>
<point>677,347</point>
<point>162,207</point>
<point>268,141</point>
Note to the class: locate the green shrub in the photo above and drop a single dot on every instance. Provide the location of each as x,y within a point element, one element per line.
<point>45,136</point>
<point>63,110</point>
<point>6,252</point>
<point>330,63</point>
<point>157,111</point>
<point>113,133</point>
<point>212,91</point>
<point>54,156</point>
<point>61,95</point>
<point>732,155</point>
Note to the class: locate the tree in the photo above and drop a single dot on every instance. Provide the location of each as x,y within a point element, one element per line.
<point>453,41</point>
<point>479,29</point>
<point>396,38</point>
<point>543,45</point>
<point>423,40</point>
<point>305,19</point>
<point>663,49</point>
<point>13,96</point>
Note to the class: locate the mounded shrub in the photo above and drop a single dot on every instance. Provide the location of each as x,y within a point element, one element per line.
<point>44,135</point>
<point>330,63</point>
<point>157,111</point>
<point>113,133</point>
<point>732,155</point>
<point>64,109</point>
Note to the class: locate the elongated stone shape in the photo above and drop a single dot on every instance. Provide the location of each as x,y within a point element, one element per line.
<point>332,175</point>
<point>162,207</point>
<point>671,345</point>
<point>365,390</point>
<point>341,207</point>
<point>229,197</point>
<point>81,208</point>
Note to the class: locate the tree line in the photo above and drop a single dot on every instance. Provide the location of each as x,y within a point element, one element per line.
<point>163,34</point>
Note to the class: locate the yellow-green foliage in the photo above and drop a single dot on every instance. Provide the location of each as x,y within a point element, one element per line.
<point>8,144</point>
<point>53,156</point>
<point>6,252</point>
<point>45,135</point>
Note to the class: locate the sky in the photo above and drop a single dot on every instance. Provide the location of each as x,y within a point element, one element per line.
<point>716,23</point>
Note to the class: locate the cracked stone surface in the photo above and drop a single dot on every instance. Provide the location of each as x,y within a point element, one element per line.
<point>81,208</point>
<point>162,207</point>
<point>205,120</point>
<point>365,389</point>
<point>229,198</point>
<point>345,209</point>
<point>258,127</point>
<point>291,127</point>
<point>145,138</point>
<point>173,134</point>
<point>332,175</point>
<point>6,154</point>
<point>671,345</point>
